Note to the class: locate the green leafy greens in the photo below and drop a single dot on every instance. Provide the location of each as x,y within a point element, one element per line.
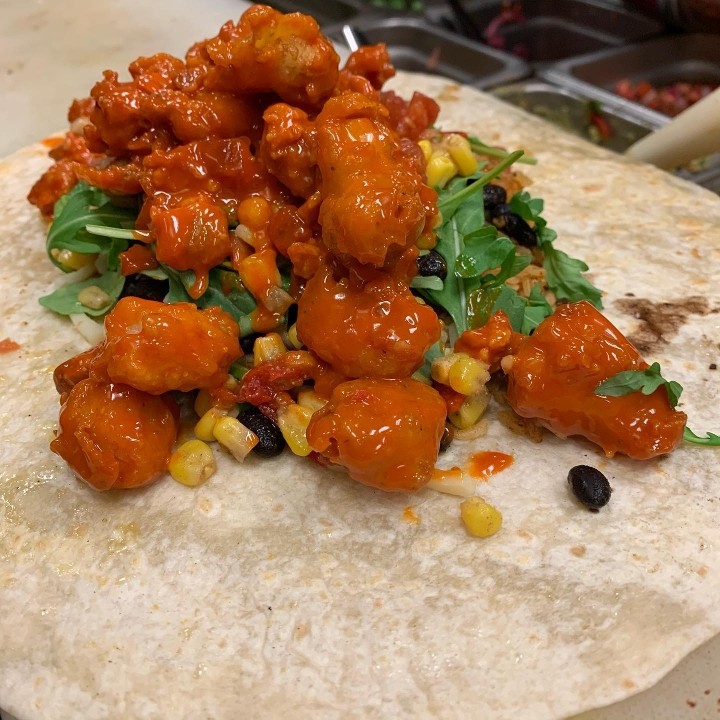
<point>480,260</point>
<point>88,222</point>
<point>647,382</point>
<point>224,291</point>
<point>711,439</point>
<point>65,300</point>
<point>563,273</point>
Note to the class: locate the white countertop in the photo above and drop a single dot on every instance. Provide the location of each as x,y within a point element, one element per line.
<point>54,50</point>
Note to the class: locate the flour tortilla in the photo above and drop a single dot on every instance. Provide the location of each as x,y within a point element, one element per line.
<point>280,589</point>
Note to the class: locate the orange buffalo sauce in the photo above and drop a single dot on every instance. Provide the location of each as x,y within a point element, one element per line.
<point>132,444</point>
<point>487,463</point>
<point>372,329</point>
<point>556,370</point>
<point>7,345</point>
<point>385,432</point>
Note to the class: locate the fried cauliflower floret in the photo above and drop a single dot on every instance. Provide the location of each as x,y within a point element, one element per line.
<point>267,51</point>
<point>114,436</point>
<point>156,347</point>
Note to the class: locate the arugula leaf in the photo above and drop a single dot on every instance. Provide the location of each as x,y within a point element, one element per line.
<point>506,299</point>
<point>111,232</point>
<point>711,439</point>
<point>481,148</point>
<point>537,309</point>
<point>483,250</point>
<point>469,247</point>
<point>647,381</point>
<point>527,207</point>
<point>524,314</point>
<point>563,273</point>
<point>453,296</point>
<point>64,300</point>
<point>564,277</point>
<point>236,301</point>
<point>429,282</point>
<point>82,206</point>
<point>448,203</point>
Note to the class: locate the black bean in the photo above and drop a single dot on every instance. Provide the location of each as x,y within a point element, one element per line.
<point>247,342</point>
<point>589,486</point>
<point>270,439</point>
<point>516,228</point>
<point>142,286</point>
<point>497,211</point>
<point>432,264</point>
<point>494,195</point>
<point>447,437</point>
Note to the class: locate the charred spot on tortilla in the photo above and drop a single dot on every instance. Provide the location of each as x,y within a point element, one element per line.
<point>660,321</point>
<point>589,486</point>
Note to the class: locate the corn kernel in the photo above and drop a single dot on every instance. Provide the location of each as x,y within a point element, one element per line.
<point>468,376</point>
<point>203,402</point>
<point>235,437</point>
<point>293,421</point>
<point>460,151</point>
<point>470,411</point>
<point>308,398</point>
<point>254,212</point>
<point>427,241</point>
<point>440,169</point>
<point>427,149</point>
<point>440,368</point>
<point>192,463</point>
<point>479,517</point>
<point>205,425</point>
<point>73,260</point>
<point>93,297</point>
<point>268,347</point>
<point>293,337</point>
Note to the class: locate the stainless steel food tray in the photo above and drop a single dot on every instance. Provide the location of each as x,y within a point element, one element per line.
<point>567,107</point>
<point>570,111</point>
<point>554,29</point>
<point>664,60</point>
<point>326,12</point>
<point>415,45</point>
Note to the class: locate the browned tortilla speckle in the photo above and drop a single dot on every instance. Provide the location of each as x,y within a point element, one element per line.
<point>660,321</point>
<point>449,93</point>
<point>578,550</point>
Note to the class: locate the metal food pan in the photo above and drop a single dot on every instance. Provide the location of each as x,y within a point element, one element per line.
<point>326,12</point>
<point>552,29</point>
<point>661,61</point>
<point>568,108</point>
<point>570,111</point>
<point>415,45</point>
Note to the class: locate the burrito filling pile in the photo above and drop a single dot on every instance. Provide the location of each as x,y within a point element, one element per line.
<point>284,254</point>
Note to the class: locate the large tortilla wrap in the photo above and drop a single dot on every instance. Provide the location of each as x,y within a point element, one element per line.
<point>279,588</point>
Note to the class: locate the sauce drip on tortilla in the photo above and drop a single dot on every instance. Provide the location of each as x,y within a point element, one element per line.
<point>486,463</point>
